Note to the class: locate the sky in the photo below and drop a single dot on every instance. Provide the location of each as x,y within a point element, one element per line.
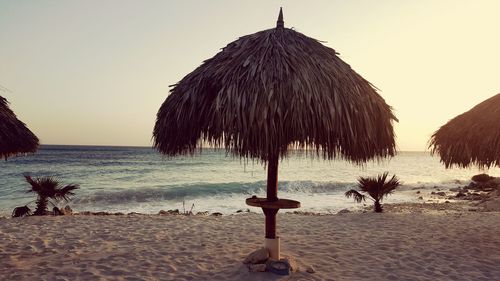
<point>95,72</point>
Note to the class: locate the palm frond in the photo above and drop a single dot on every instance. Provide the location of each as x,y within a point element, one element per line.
<point>381,178</point>
<point>66,192</point>
<point>32,182</point>
<point>358,197</point>
<point>390,186</point>
<point>368,185</point>
<point>377,187</point>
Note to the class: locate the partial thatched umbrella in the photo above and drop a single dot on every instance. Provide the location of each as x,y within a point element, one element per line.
<point>471,138</point>
<point>15,137</point>
<point>271,91</point>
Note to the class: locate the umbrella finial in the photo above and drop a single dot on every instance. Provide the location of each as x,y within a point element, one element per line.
<point>280,23</point>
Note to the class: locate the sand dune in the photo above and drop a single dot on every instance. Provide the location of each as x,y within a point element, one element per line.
<point>389,246</point>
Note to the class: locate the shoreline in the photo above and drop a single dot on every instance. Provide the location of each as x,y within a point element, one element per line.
<point>407,207</point>
<point>423,194</point>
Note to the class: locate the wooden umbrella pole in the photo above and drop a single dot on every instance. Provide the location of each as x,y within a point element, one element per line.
<point>272,179</point>
<point>272,195</point>
<point>270,222</point>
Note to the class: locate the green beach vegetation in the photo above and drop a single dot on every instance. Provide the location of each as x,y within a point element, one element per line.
<point>48,190</point>
<point>377,188</point>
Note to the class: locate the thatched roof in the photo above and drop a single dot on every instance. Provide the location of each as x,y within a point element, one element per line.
<point>271,90</point>
<point>471,138</point>
<point>15,137</point>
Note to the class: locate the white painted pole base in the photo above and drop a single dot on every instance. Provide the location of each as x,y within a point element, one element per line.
<point>273,246</point>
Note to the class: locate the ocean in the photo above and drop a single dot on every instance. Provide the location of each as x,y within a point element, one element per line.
<point>139,179</point>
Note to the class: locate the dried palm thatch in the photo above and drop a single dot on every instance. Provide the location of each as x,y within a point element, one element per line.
<point>15,137</point>
<point>471,138</point>
<point>272,90</point>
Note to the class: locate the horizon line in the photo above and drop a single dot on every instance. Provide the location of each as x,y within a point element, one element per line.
<point>144,146</point>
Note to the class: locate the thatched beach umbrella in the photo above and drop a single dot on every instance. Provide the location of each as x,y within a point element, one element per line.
<point>271,91</point>
<point>15,137</point>
<point>471,138</point>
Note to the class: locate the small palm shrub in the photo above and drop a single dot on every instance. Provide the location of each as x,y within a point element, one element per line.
<point>377,188</point>
<point>48,190</point>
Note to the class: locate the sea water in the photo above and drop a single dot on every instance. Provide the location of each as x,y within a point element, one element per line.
<point>139,179</point>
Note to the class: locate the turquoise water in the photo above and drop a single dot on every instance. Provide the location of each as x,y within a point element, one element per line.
<point>125,179</point>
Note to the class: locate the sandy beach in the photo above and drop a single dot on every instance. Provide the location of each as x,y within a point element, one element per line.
<point>432,245</point>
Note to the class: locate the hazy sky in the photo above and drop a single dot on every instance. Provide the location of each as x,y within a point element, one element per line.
<point>97,71</point>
